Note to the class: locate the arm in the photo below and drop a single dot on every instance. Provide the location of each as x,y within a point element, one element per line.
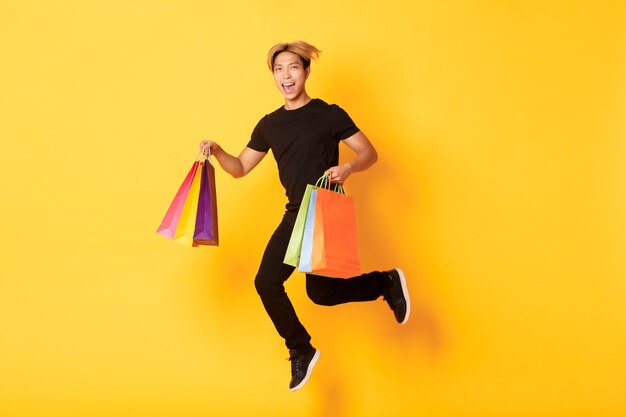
<point>366,156</point>
<point>235,166</point>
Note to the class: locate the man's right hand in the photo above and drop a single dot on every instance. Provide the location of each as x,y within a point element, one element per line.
<point>235,166</point>
<point>208,146</point>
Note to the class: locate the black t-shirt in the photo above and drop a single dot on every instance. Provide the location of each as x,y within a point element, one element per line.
<point>304,142</point>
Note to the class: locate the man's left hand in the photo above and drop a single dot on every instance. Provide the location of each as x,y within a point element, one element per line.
<point>339,174</point>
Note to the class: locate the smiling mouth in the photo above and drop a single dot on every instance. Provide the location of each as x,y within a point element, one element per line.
<point>289,84</point>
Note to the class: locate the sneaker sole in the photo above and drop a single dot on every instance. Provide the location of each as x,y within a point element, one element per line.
<point>308,371</point>
<point>405,293</point>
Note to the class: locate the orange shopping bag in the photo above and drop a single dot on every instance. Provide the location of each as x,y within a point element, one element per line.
<point>335,251</point>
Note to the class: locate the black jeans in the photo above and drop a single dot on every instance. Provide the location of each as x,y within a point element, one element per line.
<point>321,290</point>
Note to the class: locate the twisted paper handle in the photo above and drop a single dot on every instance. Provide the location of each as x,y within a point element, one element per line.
<point>204,154</point>
<point>324,182</point>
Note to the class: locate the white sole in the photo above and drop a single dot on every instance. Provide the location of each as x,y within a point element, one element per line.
<point>405,292</point>
<point>308,371</point>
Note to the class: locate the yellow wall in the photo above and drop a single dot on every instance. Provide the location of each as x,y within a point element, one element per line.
<point>500,190</point>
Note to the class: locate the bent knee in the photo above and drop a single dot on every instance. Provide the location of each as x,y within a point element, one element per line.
<point>264,286</point>
<point>260,285</point>
<point>319,298</point>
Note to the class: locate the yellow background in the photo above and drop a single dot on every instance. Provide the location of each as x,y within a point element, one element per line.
<point>501,191</point>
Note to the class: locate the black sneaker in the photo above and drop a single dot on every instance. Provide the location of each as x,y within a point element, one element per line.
<point>302,365</point>
<point>397,295</point>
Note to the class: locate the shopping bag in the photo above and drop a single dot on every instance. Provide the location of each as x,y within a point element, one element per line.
<point>304,265</point>
<point>168,225</point>
<point>187,222</point>
<point>335,244</point>
<point>292,255</point>
<point>206,232</point>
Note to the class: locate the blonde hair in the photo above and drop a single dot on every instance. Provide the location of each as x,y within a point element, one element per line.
<point>304,50</point>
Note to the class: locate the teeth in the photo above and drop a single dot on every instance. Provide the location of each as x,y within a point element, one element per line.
<point>288,84</point>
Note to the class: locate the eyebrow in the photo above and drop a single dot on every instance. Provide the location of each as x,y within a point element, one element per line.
<point>288,63</point>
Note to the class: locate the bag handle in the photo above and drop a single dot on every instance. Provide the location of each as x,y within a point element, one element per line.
<point>324,182</point>
<point>205,154</point>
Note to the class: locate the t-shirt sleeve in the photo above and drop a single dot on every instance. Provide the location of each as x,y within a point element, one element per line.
<point>257,140</point>
<point>344,127</point>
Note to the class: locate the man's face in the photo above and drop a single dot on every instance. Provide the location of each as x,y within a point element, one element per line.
<point>290,75</point>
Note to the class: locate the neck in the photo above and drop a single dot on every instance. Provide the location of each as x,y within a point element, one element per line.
<point>298,102</point>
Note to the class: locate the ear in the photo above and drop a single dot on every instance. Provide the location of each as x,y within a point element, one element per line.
<point>307,72</point>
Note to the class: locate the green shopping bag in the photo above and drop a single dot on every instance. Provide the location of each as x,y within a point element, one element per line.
<point>306,252</point>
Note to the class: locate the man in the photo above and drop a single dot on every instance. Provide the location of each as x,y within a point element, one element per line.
<point>304,136</point>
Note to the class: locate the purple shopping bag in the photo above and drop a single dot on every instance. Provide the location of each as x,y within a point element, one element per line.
<point>206,231</point>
